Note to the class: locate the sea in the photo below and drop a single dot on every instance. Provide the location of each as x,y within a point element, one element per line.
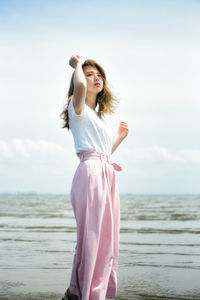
<point>159,255</point>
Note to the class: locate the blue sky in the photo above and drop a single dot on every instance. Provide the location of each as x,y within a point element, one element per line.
<point>150,52</point>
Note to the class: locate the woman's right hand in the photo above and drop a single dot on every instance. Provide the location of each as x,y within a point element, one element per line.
<point>74,60</point>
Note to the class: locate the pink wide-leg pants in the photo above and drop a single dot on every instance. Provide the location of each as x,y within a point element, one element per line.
<point>95,201</point>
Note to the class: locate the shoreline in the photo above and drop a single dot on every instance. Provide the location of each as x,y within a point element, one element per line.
<point>40,284</point>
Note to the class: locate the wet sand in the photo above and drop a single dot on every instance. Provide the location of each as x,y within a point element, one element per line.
<point>155,283</point>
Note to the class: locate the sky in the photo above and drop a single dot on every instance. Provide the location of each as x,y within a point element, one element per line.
<point>150,52</point>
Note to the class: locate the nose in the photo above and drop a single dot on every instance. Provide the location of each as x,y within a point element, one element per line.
<point>96,77</point>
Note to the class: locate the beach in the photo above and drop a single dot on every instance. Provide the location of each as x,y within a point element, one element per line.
<point>159,246</point>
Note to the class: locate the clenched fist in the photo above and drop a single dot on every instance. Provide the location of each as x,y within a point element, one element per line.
<point>74,60</point>
<point>123,130</point>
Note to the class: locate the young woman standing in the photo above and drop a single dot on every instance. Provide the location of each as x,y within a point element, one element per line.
<point>94,193</point>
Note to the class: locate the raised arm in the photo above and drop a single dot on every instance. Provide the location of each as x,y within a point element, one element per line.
<point>122,133</point>
<point>80,86</point>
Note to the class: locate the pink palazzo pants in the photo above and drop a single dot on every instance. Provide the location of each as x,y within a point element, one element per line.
<point>95,202</point>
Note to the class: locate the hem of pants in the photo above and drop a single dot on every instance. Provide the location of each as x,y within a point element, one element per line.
<point>111,293</point>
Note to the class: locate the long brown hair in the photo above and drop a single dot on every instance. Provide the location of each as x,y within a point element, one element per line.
<point>105,99</point>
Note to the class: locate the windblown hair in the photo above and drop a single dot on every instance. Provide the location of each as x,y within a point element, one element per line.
<point>105,99</point>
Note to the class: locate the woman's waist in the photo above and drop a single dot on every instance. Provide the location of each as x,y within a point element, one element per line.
<point>88,154</point>
<point>104,157</point>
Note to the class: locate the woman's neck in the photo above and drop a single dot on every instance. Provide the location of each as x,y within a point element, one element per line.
<point>91,100</point>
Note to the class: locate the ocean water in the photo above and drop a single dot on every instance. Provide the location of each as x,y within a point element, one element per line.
<point>159,246</point>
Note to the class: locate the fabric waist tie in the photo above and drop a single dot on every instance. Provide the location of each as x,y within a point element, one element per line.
<point>85,155</point>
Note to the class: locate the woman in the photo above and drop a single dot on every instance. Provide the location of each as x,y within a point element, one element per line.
<point>94,193</point>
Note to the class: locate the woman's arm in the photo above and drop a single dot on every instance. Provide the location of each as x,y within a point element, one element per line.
<point>79,84</point>
<point>122,133</point>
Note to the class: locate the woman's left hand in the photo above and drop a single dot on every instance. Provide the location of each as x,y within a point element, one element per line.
<point>122,133</point>
<point>123,130</point>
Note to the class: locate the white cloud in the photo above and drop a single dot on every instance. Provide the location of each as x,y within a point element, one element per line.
<point>190,156</point>
<point>35,164</point>
<point>159,154</point>
<point>45,166</point>
<point>29,148</point>
<point>156,169</point>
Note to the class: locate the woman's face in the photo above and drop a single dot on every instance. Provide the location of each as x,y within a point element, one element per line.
<point>94,79</point>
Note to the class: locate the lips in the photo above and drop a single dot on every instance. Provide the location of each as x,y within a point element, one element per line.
<point>97,84</point>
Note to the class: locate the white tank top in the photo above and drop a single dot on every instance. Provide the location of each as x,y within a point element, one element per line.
<point>90,132</point>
